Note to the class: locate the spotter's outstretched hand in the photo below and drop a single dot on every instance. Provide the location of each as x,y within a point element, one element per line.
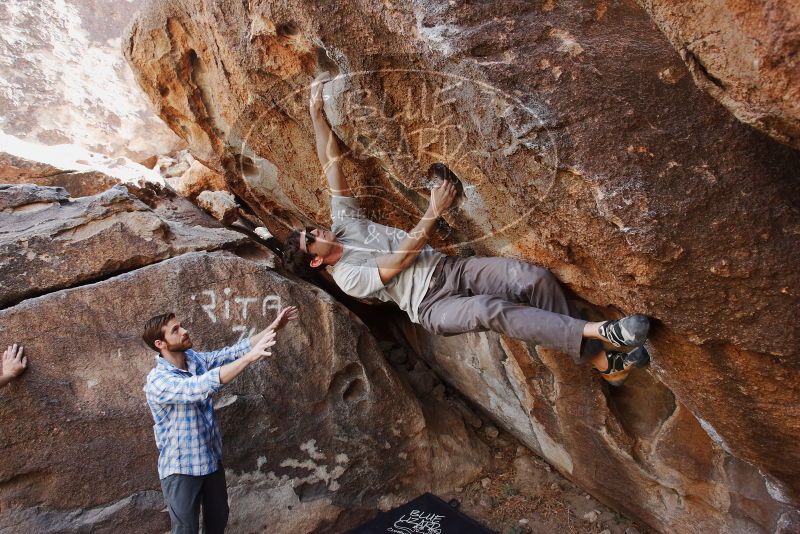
<point>259,351</point>
<point>286,315</point>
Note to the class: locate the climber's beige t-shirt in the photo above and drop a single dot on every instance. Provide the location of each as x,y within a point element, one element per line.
<point>364,241</point>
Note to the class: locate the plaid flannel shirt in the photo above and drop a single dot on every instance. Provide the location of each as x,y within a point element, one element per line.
<point>186,431</point>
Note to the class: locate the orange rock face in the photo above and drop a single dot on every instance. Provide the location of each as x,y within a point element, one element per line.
<point>581,144</point>
<point>745,54</point>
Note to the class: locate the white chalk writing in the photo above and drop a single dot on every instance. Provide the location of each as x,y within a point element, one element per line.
<point>238,311</point>
<point>244,302</point>
<point>211,306</point>
<point>272,302</point>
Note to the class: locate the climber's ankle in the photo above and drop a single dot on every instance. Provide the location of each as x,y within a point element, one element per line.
<point>600,361</point>
<point>592,330</point>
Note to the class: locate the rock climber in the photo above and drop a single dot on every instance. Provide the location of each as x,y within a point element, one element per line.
<point>178,392</point>
<point>13,364</point>
<point>450,295</point>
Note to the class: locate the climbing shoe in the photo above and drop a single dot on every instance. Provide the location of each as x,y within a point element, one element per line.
<point>621,363</point>
<point>630,331</point>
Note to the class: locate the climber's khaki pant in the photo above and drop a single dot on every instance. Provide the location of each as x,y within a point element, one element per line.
<point>506,296</point>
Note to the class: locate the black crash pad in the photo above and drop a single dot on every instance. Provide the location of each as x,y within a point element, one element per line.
<point>427,514</point>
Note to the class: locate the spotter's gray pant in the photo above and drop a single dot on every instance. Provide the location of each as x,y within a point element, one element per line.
<point>510,297</point>
<point>185,493</point>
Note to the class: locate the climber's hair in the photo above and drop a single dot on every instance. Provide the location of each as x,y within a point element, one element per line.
<point>295,259</point>
<point>154,329</point>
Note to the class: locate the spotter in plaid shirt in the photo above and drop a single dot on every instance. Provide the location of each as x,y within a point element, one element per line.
<point>187,435</point>
<point>178,392</point>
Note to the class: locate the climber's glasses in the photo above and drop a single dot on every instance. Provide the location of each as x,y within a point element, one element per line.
<point>309,237</point>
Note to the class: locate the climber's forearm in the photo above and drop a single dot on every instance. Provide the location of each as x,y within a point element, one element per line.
<point>390,265</point>
<point>329,154</point>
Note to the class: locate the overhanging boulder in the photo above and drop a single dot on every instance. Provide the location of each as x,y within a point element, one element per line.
<point>744,54</point>
<point>583,145</point>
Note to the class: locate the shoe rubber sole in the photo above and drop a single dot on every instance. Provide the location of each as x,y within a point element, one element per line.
<point>636,358</point>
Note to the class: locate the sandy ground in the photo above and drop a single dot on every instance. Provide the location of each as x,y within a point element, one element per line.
<point>521,494</point>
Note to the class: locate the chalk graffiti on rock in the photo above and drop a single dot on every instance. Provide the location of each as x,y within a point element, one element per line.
<point>417,522</point>
<point>237,310</point>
